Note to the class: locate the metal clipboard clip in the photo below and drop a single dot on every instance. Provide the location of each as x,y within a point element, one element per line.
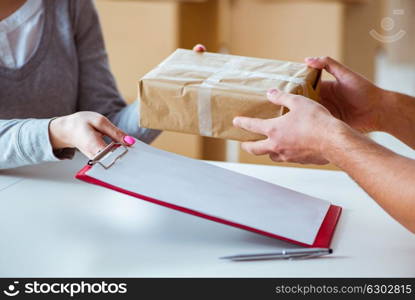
<point>101,157</point>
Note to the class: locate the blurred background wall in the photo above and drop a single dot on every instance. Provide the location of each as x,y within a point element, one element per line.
<point>374,37</point>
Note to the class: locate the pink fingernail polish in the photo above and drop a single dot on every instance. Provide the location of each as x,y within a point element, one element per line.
<point>129,140</point>
<point>199,48</point>
<point>272,91</point>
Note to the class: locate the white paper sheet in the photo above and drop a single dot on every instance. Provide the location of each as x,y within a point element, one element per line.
<point>217,192</point>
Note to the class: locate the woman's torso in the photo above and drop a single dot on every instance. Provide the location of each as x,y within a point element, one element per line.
<point>46,85</point>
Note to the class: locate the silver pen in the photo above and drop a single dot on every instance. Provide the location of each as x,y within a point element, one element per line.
<point>283,254</point>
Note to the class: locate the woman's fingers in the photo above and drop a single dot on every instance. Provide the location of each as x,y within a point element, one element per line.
<point>105,127</point>
<point>85,131</point>
<point>101,127</point>
<point>94,144</point>
<point>199,48</point>
<point>129,140</point>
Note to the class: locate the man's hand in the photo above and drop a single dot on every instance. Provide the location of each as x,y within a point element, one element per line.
<point>85,131</point>
<point>298,136</point>
<point>351,97</point>
<point>308,133</point>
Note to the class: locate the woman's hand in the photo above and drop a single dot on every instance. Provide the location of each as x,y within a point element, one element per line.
<point>298,136</point>
<point>351,97</point>
<point>199,48</point>
<point>85,131</point>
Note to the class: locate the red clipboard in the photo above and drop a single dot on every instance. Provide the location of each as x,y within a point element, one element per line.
<point>322,239</point>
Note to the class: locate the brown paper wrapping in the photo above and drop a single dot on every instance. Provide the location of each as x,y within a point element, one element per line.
<point>201,93</point>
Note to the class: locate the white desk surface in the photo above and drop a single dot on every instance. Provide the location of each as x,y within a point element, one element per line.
<point>54,225</point>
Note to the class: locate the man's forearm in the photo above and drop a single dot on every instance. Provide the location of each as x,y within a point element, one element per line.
<point>386,177</point>
<point>399,117</point>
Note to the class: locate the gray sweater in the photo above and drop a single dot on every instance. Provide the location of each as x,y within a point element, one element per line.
<point>69,72</point>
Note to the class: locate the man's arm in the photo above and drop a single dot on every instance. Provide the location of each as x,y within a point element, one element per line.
<point>386,176</point>
<point>399,117</point>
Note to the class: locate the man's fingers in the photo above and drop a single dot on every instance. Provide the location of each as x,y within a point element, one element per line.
<point>280,98</point>
<point>199,48</point>
<point>256,148</point>
<point>275,157</point>
<point>252,124</point>
<point>104,126</point>
<point>330,65</point>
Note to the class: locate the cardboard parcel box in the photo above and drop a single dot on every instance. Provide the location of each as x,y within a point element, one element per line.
<point>201,93</point>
